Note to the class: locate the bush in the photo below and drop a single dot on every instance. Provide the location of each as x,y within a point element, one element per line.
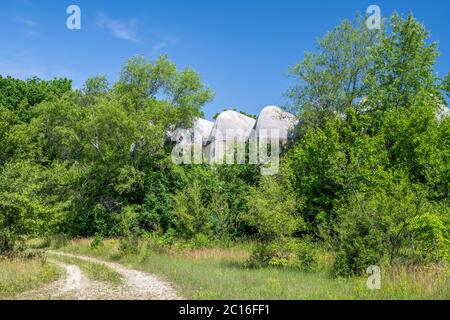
<point>262,254</point>
<point>58,241</point>
<point>278,262</point>
<point>394,225</point>
<point>286,252</point>
<point>168,239</point>
<point>127,221</point>
<point>97,241</point>
<point>200,241</point>
<point>192,216</point>
<point>271,211</point>
<point>429,238</point>
<point>307,254</point>
<point>129,245</point>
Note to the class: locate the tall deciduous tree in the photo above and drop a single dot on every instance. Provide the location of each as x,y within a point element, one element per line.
<point>402,69</point>
<point>331,78</point>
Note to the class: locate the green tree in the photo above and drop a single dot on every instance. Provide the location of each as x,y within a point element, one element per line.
<point>353,167</point>
<point>33,202</point>
<point>402,68</point>
<point>392,225</point>
<point>332,78</point>
<point>114,139</point>
<point>141,81</point>
<point>19,96</point>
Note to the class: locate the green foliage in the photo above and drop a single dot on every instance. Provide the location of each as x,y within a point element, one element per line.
<point>382,226</point>
<point>332,78</point>
<point>402,66</point>
<point>222,220</point>
<point>430,237</point>
<point>129,245</point>
<point>141,81</point>
<point>97,241</point>
<point>93,160</point>
<point>32,202</point>
<point>271,211</point>
<point>18,95</point>
<point>374,169</point>
<point>268,254</point>
<point>446,84</point>
<point>191,215</point>
<point>235,183</point>
<point>307,254</point>
<point>286,252</point>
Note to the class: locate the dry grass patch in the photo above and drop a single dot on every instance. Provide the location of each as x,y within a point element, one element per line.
<point>233,254</point>
<point>20,275</point>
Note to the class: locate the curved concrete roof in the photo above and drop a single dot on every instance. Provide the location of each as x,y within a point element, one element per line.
<point>232,120</point>
<point>203,128</point>
<point>275,118</point>
<point>200,128</point>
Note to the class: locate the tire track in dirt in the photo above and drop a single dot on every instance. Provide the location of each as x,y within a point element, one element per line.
<point>75,285</point>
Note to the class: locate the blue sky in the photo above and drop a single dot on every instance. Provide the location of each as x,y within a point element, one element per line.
<point>242,48</point>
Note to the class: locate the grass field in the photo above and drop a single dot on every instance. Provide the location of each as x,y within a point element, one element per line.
<point>221,273</point>
<point>20,275</point>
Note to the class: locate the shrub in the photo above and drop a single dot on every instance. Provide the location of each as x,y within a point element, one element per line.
<point>262,254</point>
<point>168,239</point>
<point>307,255</point>
<point>278,262</point>
<point>222,219</point>
<point>58,241</point>
<point>192,216</point>
<point>129,245</point>
<point>429,237</point>
<point>200,241</point>
<point>97,241</point>
<point>286,252</point>
<point>378,227</point>
<point>271,211</point>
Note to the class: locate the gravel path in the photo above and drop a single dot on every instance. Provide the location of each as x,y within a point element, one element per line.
<point>137,285</point>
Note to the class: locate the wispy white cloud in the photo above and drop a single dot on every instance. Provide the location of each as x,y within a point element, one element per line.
<point>27,22</point>
<point>122,29</point>
<point>166,42</point>
<point>31,33</point>
<point>30,26</point>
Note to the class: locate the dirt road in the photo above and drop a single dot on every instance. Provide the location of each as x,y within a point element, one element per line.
<point>75,285</point>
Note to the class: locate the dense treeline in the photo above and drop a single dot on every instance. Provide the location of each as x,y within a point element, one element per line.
<point>368,177</point>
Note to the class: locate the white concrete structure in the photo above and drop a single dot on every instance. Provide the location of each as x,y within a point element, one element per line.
<point>201,128</point>
<point>226,139</point>
<point>272,118</point>
<point>231,121</point>
<point>229,126</point>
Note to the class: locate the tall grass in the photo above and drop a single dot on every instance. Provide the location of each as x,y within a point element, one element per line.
<point>19,275</point>
<point>221,273</point>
